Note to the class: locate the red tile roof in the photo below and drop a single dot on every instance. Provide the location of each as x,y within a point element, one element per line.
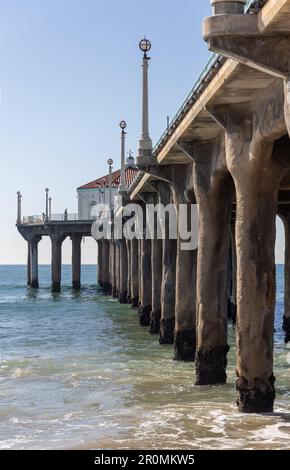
<point>130,174</point>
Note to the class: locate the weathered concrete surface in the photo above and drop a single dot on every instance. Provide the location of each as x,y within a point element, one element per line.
<point>32,234</point>
<point>257,164</point>
<point>134,273</point>
<point>28,264</point>
<point>34,262</point>
<point>117,269</point>
<point>105,253</point>
<point>57,239</point>
<point>112,267</point>
<point>214,191</point>
<point>129,280</point>
<point>156,260</point>
<point>174,182</point>
<point>167,322</point>
<point>145,307</point>
<point>123,272</point>
<point>100,258</point>
<point>156,266</point>
<point>185,301</point>
<point>76,261</point>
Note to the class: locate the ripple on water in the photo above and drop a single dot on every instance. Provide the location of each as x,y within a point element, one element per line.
<point>77,371</point>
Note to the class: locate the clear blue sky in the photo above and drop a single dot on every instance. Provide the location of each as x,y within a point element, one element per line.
<point>70,70</point>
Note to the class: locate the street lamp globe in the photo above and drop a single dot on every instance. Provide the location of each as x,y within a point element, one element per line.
<point>123,125</point>
<point>46,190</point>
<point>110,162</point>
<point>145,45</point>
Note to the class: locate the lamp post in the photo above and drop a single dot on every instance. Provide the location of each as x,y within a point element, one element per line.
<point>19,196</point>
<point>104,190</point>
<point>49,207</point>
<point>122,185</point>
<point>46,204</point>
<point>145,142</point>
<point>110,163</point>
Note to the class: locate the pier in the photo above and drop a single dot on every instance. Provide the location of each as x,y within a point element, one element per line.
<point>34,228</point>
<point>227,150</point>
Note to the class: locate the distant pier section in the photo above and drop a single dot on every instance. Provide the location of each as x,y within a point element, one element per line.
<point>58,228</point>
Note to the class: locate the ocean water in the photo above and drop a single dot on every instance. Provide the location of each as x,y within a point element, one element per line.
<point>78,372</point>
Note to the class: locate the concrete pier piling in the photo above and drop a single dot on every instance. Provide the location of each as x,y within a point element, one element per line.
<point>100,258</point>
<point>113,267</point>
<point>167,322</point>
<point>145,301</point>
<point>34,262</point>
<point>106,287</point>
<point>28,269</point>
<point>123,272</point>
<point>156,262</point>
<point>56,255</point>
<point>227,152</point>
<point>185,318</point>
<point>134,268</point>
<point>76,261</point>
<point>214,195</point>
<point>117,269</point>
<point>129,275</point>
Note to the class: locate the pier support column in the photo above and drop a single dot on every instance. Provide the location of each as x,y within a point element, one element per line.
<point>34,261</point>
<point>56,245</point>
<point>123,272</point>
<point>117,269</point>
<point>284,213</point>
<point>145,307</point>
<point>134,258</point>
<point>185,319</point>
<point>28,264</point>
<point>106,288</point>
<point>76,261</point>
<point>100,280</point>
<point>156,260</point>
<point>185,304</point>
<point>256,294</point>
<point>257,167</point>
<point>167,322</point>
<point>129,277</point>
<point>214,195</point>
<point>113,266</point>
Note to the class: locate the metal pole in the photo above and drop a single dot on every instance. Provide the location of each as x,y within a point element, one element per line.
<point>49,208</point>
<point>122,185</point>
<point>46,204</point>
<point>19,196</point>
<point>145,143</point>
<point>110,163</point>
<point>122,179</point>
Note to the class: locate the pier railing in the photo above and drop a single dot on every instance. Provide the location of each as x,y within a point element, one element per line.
<point>69,217</point>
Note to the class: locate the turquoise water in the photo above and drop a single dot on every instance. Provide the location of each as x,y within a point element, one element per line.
<point>77,372</point>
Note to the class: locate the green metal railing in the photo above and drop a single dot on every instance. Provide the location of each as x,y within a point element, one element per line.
<point>212,63</point>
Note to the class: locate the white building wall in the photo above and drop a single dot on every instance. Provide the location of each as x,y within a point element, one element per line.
<point>88,198</point>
